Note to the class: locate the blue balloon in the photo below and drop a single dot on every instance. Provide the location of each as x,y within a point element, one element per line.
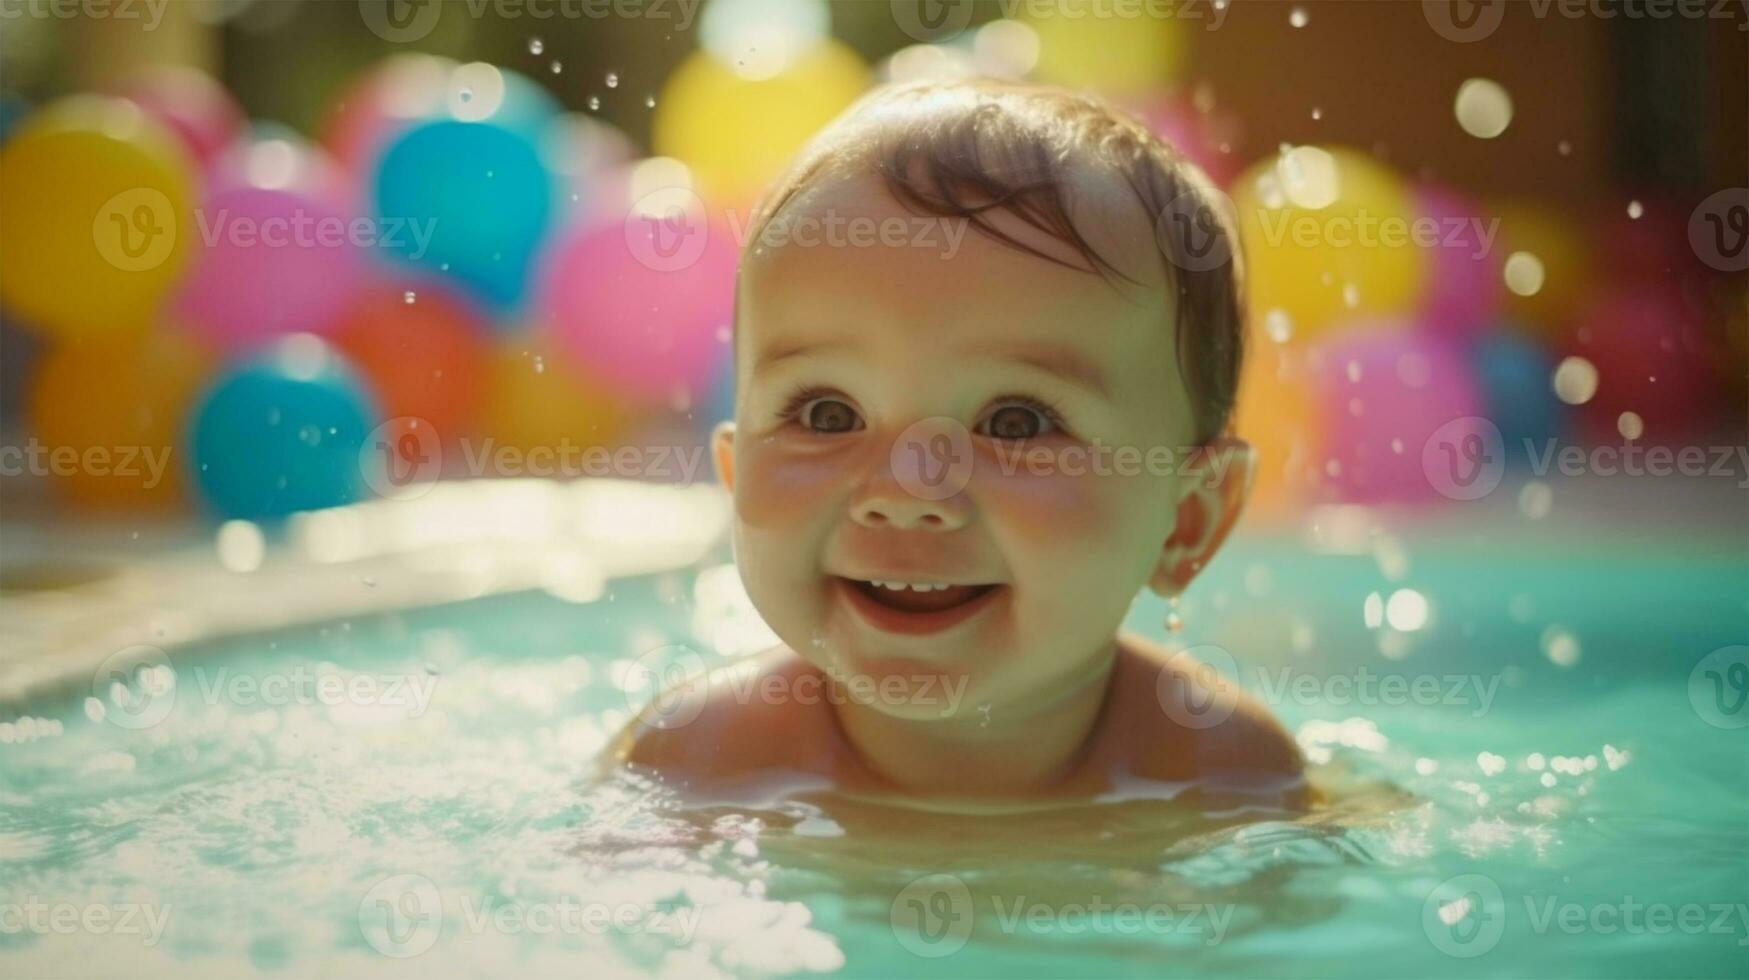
<point>13,109</point>
<point>283,433</point>
<point>473,202</point>
<point>1513,373</point>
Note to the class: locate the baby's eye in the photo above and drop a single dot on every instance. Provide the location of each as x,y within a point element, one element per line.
<point>829,415</point>
<point>1015,421</point>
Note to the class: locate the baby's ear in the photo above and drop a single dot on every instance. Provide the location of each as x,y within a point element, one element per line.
<point>1213,491</point>
<point>723,452</point>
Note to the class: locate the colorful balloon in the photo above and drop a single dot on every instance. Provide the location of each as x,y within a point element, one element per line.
<point>1327,239</point>
<point>277,252</point>
<point>1546,266</point>
<point>480,196</point>
<point>1278,415</point>
<point>1384,391</point>
<point>737,133</point>
<point>116,407</point>
<point>1080,48</point>
<point>1463,270</point>
<point>188,101</point>
<point>1653,357</point>
<point>423,353</point>
<point>535,400</point>
<point>648,319</point>
<point>98,218</point>
<point>1513,373</point>
<point>283,433</point>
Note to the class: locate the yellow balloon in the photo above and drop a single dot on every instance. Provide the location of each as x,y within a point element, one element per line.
<point>1114,48</point>
<point>96,217</point>
<point>109,414</point>
<point>737,133</point>
<point>538,400</point>
<point>1328,237</point>
<point>1546,266</point>
<point>1278,415</point>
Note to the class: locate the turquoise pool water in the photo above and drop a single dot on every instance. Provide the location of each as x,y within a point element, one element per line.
<point>1551,786</point>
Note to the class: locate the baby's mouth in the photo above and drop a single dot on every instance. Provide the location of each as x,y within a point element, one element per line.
<point>918,598</point>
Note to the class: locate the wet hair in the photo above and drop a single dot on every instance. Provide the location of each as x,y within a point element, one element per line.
<point>964,148</point>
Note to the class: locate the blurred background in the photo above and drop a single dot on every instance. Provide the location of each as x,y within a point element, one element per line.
<point>474,203</point>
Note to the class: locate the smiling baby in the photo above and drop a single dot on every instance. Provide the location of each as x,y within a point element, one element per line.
<point>957,458</point>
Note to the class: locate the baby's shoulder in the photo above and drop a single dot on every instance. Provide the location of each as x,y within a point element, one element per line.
<point>1187,720</point>
<point>756,713</point>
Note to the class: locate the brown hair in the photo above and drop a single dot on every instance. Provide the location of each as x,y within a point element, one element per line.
<point>962,148</point>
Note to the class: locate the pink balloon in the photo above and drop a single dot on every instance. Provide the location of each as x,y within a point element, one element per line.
<point>197,108</point>
<point>644,305</point>
<point>1464,286</point>
<point>1384,392</point>
<point>269,261</point>
<point>1653,358</point>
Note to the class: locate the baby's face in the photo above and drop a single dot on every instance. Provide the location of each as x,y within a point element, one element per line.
<point>842,350</point>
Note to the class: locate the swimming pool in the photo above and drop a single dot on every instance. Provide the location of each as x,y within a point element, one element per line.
<point>1538,763</point>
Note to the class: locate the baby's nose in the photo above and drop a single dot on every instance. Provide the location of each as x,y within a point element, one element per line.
<point>902,511</point>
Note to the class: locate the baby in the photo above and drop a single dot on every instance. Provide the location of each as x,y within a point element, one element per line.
<point>957,458</point>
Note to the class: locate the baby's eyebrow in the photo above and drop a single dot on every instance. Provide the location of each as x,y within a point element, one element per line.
<point>1065,363</point>
<point>776,353</point>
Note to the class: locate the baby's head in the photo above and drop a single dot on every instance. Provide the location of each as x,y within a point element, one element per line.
<point>987,336</point>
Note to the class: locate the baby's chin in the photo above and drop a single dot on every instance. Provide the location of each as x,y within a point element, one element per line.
<point>898,687</point>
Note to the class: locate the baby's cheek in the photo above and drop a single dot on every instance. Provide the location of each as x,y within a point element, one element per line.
<point>1050,507</point>
<point>778,489</point>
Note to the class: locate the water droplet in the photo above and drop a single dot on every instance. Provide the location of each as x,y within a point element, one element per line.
<point>1297,17</point>
<point>594,103</point>
<point>1278,325</point>
<point>1317,113</point>
<point>309,435</point>
<point>1560,646</point>
<point>409,297</point>
<point>558,66</point>
<point>649,102</point>
<point>1564,148</point>
<point>1630,425</point>
<point>612,79</point>
<point>1575,380</point>
<point>1635,210</point>
<point>1483,108</point>
<point>540,365</point>
<point>536,45</point>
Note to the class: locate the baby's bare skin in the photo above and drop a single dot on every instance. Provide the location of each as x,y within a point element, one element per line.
<point>734,748</point>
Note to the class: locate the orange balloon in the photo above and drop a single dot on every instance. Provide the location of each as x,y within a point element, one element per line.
<point>109,415</point>
<point>1278,416</point>
<point>424,359</point>
<point>535,399</point>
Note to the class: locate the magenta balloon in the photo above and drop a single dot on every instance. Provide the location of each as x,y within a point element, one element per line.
<point>650,324</point>
<point>1384,392</point>
<point>267,262</point>
<point>1464,285</point>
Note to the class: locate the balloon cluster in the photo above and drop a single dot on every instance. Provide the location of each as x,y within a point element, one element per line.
<point>457,258</point>
<point>1403,335</point>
